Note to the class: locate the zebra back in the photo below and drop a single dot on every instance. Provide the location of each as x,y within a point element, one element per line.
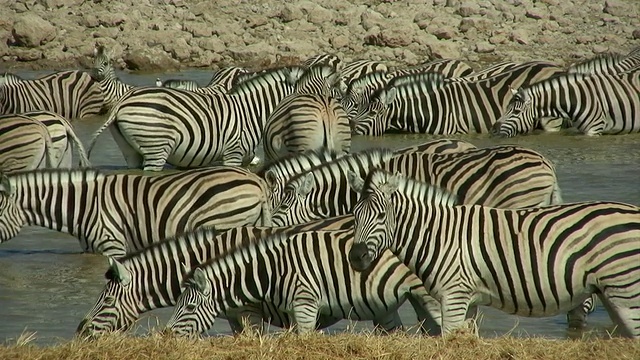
<point>224,79</point>
<point>439,146</point>
<point>606,64</point>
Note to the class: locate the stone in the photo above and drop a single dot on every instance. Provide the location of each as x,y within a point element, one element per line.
<point>484,47</point>
<point>89,20</point>
<point>152,59</point>
<point>636,33</point>
<point>444,33</point>
<point>103,32</point>
<point>55,4</point>
<point>251,52</point>
<point>370,19</point>
<point>290,13</point>
<point>30,30</point>
<point>391,38</point>
<point>535,13</point>
<point>617,8</point>
<point>23,54</point>
<point>520,36</point>
<point>340,41</point>
<point>109,19</point>
<point>211,43</point>
<point>318,15</point>
<point>478,23</point>
<point>179,49</point>
<point>467,9</point>
<point>197,29</point>
<point>600,49</point>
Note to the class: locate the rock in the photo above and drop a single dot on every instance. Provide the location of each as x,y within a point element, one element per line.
<point>340,41</point>
<point>370,19</point>
<point>22,54</point>
<point>636,33</point>
<point>179,49</point>
<point>30,30</point>
<point>585,39</point>
<point>54,4</point>
<point>484,47</point>
<point>600,49</point>
<point>467,9</point>
<point>535,13</point>
<point>89,20</point>
<point>520,36</point>
<point>318,15</point>
<point>478,23</point>
<point>102,32</point>
<point>391,38</point>
<point>197,29</point>
<point>290,13</point>
<point>616,8</point>
<point>446,32</point>
<point>108,19</point>
<point>211,43</point>
<point>251,52</point>
<point>150,59</point>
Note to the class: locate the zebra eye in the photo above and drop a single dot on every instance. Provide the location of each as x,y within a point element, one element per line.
<point>190,307</point>
<point>382,215</point>
<point>109,300</point>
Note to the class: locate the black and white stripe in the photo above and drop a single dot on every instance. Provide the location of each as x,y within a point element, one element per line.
<point>25,144</point>
<point>532,262</point>
<point>114,214</point>
<point>607,63</point>
<point>113,89</point>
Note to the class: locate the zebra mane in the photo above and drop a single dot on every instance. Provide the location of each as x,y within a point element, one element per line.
<point>293,159</point>
<point>379,155</point>
<point>61,176</point>
<point>379,180</point>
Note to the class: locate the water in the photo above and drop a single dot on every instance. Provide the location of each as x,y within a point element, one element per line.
<point>47,285</point>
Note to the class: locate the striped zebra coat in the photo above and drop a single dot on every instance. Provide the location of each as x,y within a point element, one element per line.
<point>62,136</point>
<point>71,94</point>
<point>305,274</point>
<point>114,214</point>
<point>155,125</point>
<point>501,176</point>
<point>152,277</point>
<point>25,144</point>
<point>532,262</point>
<point>429,103</point>
<point>595,104</point>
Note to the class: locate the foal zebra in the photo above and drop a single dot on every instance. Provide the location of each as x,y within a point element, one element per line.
<point>305,274</point>
<point>429,103</point>
<point>152,277</point>
<point>71,94</point>
<point>114,214</point>
<point>531,262</point>
<point>25,144</point>
<point>308,119</point>
<point>196,129</point>
<point>595,104</point>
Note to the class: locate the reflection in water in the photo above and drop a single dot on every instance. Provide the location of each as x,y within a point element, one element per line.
<point>47,285</point>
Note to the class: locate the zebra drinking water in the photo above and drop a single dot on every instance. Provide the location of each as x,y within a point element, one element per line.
<point>530,262</point>
<point>114,214</point>
<point>305,274</point>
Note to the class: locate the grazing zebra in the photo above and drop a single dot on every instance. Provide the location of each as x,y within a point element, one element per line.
<point>114,214</point>
<point>305,274</point>
<point>595,104</point>
<point>221,81</point>
<point>504,176</point>
<point>429,103</point>
<point>532,262</point>
<point>151,278</point>
<point>71,94</point>
<point>113,89</point>
<point>197,129</point>
<point>277,173</point>
<point>439,146</point>
<point>308,119</point>
<point>25,144</point>
<point>60,131</point>
<point>607,63</point>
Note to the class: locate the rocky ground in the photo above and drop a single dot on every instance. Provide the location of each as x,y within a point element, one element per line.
<point>165,35</point>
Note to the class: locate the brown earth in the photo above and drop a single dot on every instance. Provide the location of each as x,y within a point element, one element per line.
<point>158,35</point>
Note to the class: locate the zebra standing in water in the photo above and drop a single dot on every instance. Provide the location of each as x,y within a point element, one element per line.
<point>71,94</point>
<point>305,274</point>
<point>113,89</point>
<point>113,214</point>
<point>196,129</point>
<point>429,103</point>
<point>62,136</point>
<point>531,262</point>
<point>308,119</point>
<point>25,144</point>
<point>595,104</point>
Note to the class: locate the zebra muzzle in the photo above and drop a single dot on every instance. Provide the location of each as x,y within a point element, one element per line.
<point>359,257</point>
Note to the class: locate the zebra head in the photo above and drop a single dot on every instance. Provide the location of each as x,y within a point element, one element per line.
<point>195,310</point>
<point>519,116</point>
<point>371,118</point>
<point>102,66</point>
<point>374,215</point>
<point>116,308</point>
<point>292,210</point>
<point>11,217</point>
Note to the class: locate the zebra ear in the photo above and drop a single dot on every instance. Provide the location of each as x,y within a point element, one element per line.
<point>5,185</point>
<point>305,185</point>
<point>388,96</point>
<point>201,282</point>
<point>355,181</point>
<point>270,178</point>
<point>121,273</point>
<point>183,268</point>
<point>392,184</point>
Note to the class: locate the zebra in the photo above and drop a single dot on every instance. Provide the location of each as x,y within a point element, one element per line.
<point>113,89</point>
<point>221,81</point>
<point>529,262</point>
<point>25,144</point>
<point>276,173</point>
<point>197,129</point>
<point>71,94</point>
<point>439,146</point>
<point>429,103</point>
<point>607,63</point>
<point>503,176</point>
<point>8,78</point>
<point>305,274</point>
<point>308,119</point>
<point>60,131</point>
<point>113,214</point>
<point>151,277</point>
<point>595,104</point>
<point>323,60</point>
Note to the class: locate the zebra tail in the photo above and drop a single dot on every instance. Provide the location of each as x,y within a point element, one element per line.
<point>84,159</point>
<point>556,195</point>
<point>49,148</point>
<point>112,117</point>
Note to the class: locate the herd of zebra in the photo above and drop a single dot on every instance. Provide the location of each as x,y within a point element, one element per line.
<point>320,233</point>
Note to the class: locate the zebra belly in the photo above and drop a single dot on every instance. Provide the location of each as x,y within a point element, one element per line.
<point>537,308</point>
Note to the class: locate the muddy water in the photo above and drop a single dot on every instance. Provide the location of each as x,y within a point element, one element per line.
<point>47,285</point>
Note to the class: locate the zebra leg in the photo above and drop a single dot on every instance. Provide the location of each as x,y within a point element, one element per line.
<point>429,314</point>
<point>454,311</point>
<point>305,312</point>
<point>577,318</point>
<point>251,316</point>
<point>388,323</point>
<point>624,311</point>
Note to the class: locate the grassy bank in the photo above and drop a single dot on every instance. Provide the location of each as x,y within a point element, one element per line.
<point>318,346</point>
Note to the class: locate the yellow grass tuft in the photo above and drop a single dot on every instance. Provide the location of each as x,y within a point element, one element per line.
<point>352,346</point>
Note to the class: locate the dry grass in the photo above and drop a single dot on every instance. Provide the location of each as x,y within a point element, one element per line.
<point>317,346</point>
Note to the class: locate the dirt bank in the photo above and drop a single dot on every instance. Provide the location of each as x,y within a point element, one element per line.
<point>170,34</point>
